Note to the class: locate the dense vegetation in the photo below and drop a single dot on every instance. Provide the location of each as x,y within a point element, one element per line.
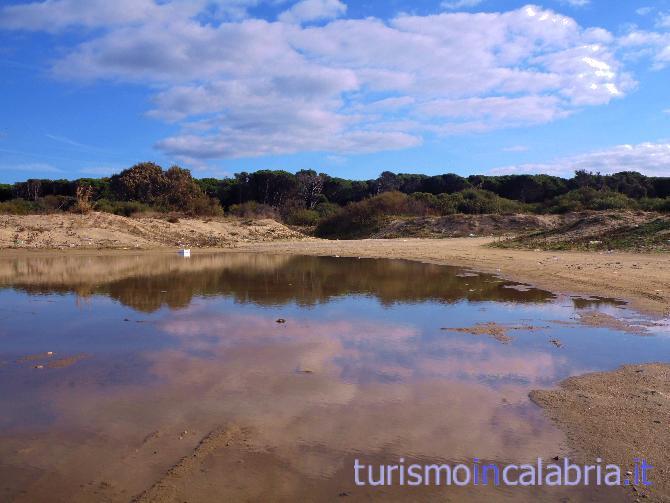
<point>336,206</point>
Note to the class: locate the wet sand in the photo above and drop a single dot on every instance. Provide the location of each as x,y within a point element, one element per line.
<point>642,279</point>
<point>618,416</point>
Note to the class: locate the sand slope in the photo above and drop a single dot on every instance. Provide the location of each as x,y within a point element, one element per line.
<point>104,230</point>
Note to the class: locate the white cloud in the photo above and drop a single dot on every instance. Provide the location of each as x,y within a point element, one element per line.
<point>664,20</point>
<point>56,15</point>
<point>460,4</point>
<point>249,87</point>
<point>652,159</point>
<point>647,44</point>
<point>644,11</point>
<point>313,10</point>
<point>498,111</point>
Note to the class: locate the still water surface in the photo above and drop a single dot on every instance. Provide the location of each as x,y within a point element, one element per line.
<point>151,353</point>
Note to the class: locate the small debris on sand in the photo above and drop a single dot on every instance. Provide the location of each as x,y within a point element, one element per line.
<point>556,343</point>
<point>66,362</point>
<point>281,320</point>
<point>493,329</point>
<point>37,356</point>
<point>519,287</point>
<point>498,332</point>
<point>598,319</point>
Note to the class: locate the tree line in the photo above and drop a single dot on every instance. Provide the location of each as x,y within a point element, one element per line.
<point>309,198</point>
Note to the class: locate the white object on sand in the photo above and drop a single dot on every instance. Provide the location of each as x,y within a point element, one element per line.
<point>185,252</point>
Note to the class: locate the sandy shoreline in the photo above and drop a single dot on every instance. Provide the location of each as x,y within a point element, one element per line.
<point>618,416</point>
<point>641,279</point>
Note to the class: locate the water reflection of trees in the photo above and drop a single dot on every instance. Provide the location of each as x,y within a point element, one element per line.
<point>148,282</point>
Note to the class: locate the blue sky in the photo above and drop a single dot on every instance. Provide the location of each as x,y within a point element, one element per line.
<point>89,87</point>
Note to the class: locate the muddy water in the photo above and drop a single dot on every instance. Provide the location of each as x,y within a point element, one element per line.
<point>170,379</point>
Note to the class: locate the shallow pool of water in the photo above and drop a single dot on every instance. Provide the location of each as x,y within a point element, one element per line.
<point>115,367</point>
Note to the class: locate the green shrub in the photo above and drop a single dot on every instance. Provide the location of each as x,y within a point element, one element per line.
<point>362,218</point>
<point>587,198</point>
<point>46,204</point>
<point>205,206</point>
<point>426,198</point>
<point>613,201</point>
<point>52,204</point>
<point>326,209</point>
<point>6,192</point>
<point>252,209</point>
<point>479,202</point>
<point>303,217</point>
<point>122,208</point>
<point>18,207</point>
<point>446,204</point>
<point>655,204</point>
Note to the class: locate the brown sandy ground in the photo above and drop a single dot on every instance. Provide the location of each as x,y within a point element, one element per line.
<point>104,230</point>
<point>640,231</point>
<point>598,230</point>
<point>643,279</point>
<point>453,226</point>
<point>618,416</point>
<point>492,329</point>
<point>229,465</point>
<point>640,278</point>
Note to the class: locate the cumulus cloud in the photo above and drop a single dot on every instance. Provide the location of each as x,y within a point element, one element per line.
<point>246,87</point>
<point>56,15</point>
<point>652,159</point>
<point>646,44</point>
<point>664,20</point>
<point>313,10</point>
